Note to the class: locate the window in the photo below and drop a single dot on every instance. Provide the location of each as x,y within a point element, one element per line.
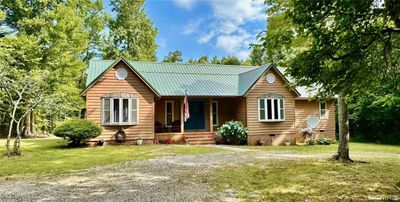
<point>271,108</point>
<point>169,113</point>
<point>121,74</point>
<point>215,113</point>
<point>270,78</point>
<point>322,110</point>
<point>120,110</point>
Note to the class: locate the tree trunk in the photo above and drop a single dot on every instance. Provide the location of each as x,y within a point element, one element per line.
<point>344,136</point>
<point>17,141</point>
<point>8,149</point>
<point>27,132</point>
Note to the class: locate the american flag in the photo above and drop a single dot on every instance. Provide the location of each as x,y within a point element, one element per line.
<point>186,105</point>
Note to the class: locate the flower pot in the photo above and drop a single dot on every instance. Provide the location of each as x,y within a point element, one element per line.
<point>139,142</point>
<point>169,141</point>
<point>287,143</point>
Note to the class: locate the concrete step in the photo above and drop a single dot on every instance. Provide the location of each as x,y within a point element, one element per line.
<point>201,142</point>
<point>198,139</point>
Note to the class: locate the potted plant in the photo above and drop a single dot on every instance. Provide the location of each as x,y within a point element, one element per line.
<point>287,142</point>
<point>170,139</point>
<point>139,141</point>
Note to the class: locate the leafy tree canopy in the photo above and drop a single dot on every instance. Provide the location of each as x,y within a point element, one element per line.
<point>132,34</point>
<point>173,56</point>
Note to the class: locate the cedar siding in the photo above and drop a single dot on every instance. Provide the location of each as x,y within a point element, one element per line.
<point>305,109</point>
<point>108,83</point>
<point>270,132</point>
<point>236,90</point>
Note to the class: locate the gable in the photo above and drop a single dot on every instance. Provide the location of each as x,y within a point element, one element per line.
<point>106,70</point>
<point>279,86</point>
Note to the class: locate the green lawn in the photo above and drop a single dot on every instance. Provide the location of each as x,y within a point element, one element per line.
<point>354,147</point>
<point>50,157</point>
<point>315,179</point>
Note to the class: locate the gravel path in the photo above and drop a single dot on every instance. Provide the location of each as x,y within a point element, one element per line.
<point>175,178</point>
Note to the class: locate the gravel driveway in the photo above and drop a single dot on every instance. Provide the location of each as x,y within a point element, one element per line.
<point>175,178</point>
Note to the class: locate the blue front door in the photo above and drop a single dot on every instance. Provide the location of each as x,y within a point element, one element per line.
<point>197,118</point>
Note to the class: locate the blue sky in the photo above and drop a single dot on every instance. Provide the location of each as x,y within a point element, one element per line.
<point>206,27</point>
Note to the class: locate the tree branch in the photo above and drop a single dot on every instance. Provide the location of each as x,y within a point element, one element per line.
<point>355,51</point>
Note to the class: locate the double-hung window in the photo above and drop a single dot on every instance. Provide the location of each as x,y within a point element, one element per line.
<point>169,113</point>
<point>120,109</point>
<point>215,113</point>
<point>322,110</point>
<point>271,108</point>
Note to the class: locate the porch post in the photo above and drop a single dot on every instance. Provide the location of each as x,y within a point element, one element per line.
<point>182,116</point>
<point>210,114</point>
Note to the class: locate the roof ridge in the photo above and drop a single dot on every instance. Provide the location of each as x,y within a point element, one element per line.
<point>152,72</point>
<point>182,64</point>
<point>265,66</point>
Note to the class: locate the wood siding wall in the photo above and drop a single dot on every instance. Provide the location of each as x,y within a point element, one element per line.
<point>231,109</point>
<point>305,109</point>
<point>133,84</point>
<point>270,132</point>
<point>160,109</point>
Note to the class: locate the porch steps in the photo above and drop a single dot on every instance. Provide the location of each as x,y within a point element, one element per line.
<point>199,138</point>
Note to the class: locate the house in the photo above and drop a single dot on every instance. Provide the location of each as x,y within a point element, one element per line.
<point>145,100</point>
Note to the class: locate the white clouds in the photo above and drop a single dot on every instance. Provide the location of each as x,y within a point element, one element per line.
<point>186,4</point>
<point>205,38</point>
<point>238,11</point>
<point>231,43</point>
<point>192,26</point>
<point>228,29</point>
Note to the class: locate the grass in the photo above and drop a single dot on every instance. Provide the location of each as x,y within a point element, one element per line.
<point>354,147</point>
<point>42,158</point>
<point>315,179</point>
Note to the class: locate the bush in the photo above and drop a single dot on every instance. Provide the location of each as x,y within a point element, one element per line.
<point>310,142</point>
<point>325,141</point>
<point>77,130</point>
<point>233,132</point>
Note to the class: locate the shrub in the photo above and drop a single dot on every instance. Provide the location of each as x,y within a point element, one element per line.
<point>233,132</point>
<point>325,141</point>
<point>310,142</point>
<point>77,130</point>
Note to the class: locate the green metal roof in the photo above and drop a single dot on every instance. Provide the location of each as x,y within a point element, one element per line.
<point>172,79</point>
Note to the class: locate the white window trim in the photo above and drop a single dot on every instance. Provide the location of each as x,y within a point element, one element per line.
<point>326,111</point>
<point>216,112</point>
<point>272,107</point>
<point>103,115</point>
<point>120,100</point>
<point>172,112</point>
<point>137,110</point>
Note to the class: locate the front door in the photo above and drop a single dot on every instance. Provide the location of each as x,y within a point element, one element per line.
<point>197,117</point>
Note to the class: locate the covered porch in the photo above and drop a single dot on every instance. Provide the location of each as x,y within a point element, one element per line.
<point>206,115</point>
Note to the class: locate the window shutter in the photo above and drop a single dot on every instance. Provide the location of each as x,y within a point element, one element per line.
<point>134,111</point>
<point>106,112</point>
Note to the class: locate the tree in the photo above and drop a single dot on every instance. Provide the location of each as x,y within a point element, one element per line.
<point>215,60</point>
<point>132,35</point>
<point>349,46</point>
<point>230,60</point>
<point>54,36</point>
<point>257,56</point>
<point>192,61</point>
<point>24,93</point>
<point>174,57</point>
<point>203,60</point>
